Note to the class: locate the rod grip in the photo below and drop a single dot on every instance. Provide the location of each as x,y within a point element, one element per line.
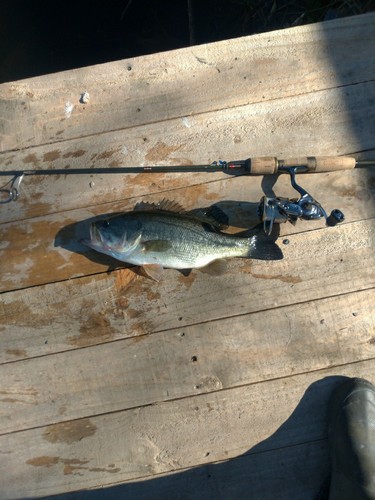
<point>267,165</point>
<point>264,165</point>
<point>321,163</point>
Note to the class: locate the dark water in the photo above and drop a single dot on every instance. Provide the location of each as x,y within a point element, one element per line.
<point>45,36</point>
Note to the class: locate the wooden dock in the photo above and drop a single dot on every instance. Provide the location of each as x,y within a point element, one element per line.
<point>197,387</point>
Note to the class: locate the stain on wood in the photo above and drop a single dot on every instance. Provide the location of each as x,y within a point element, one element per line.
<point>193,298</point>
<point>43,461</point>
<point>29,252</point>
<point>106,154</point>
<point>69,432</point>
<point>115,163</point>
<point>96,328</point>
<point>20,396</point>
<point>133,313</point>
<point>74,154</point>
<point>62,409</point>
<point>73,466</point>
<point>31,158</point>
<point>161,152</point>
<point>188,281</point>
<point>70,465</point>
<point>18,353</point>
<point>287,278</point>
<point>52,155</point>
<point>19,314</point>
<point>123,278</point>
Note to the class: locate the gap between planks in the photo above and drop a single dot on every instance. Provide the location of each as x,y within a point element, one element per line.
<point>306,56</point>
<point>234,107</point>
<point>248,415</point>
<point>329,119</point>
<point>333,332</point>
<point>122,305</point>
<point>244,477</point>
<point>52,241</point>
<point>196,396</point>
<point>185,326</point>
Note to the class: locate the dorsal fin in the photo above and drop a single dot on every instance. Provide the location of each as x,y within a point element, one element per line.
<point>164,205</point>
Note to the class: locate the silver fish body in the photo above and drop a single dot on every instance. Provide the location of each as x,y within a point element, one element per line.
<point>174,240</point>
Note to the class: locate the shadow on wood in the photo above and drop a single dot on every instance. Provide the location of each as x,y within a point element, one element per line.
<point>70,238</point>
<point>265,469</point>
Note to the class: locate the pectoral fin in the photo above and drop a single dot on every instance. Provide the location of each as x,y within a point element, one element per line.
<point>153,271</point>
<point>156,245</point>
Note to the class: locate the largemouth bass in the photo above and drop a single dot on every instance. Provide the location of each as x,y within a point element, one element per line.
<point>164,236</point>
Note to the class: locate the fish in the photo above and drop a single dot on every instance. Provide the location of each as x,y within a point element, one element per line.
<point>164,235</point>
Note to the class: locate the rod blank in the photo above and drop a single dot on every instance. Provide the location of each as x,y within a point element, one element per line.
<point>265,165</point>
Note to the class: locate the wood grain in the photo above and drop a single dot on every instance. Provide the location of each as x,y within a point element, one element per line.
<point>92,310</point>
<point>48,249</point>
<point>257,475</point>
<point>186,82</point>
<point>328,122</point>
<point>186,361</point>
<point>208,385</point>
<point>170,436</point>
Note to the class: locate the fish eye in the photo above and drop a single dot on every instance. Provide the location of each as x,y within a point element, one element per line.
<point>106,223</point>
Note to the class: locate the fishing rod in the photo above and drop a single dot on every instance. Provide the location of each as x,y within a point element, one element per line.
<point>270,210</point>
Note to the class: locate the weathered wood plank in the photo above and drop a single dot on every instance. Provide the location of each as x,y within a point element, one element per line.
<point>328,122</point>
<point>98,309</point>
<point>47,249</point>
<point>137,443</point>
<point>113,412</point>
<point>180,83</point>
<point>187,361</point>
<point>300,471</point>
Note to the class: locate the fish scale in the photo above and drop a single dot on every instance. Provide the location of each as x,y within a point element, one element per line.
<point>192,244</point>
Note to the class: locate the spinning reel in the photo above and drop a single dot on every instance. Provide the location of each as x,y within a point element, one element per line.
<point>306,207</point>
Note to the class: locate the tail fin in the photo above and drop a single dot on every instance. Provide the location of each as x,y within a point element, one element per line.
<point>262,246</point>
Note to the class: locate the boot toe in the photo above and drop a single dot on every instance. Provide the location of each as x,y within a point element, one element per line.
<point>351,435</point>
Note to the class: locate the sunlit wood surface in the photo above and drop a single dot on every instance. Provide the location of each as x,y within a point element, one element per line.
<point>198,386</point>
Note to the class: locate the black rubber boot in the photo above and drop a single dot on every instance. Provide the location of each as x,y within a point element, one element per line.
<point>351,435</point>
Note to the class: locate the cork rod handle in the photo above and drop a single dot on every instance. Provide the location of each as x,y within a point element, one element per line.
<point>270,165</point>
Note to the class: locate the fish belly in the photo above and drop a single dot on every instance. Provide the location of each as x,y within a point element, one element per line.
<point>186,255</point>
